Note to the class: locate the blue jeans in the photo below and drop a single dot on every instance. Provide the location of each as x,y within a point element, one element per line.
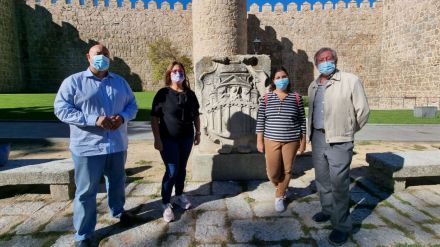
<point>175,154</point>
<point>88,172</point>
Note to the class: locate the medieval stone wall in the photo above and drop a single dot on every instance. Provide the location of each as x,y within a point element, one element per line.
<point>410,53</point>
<point>9,56</point>
<point>292,38</point>
<point>392,46</point>
<point>56,38</point>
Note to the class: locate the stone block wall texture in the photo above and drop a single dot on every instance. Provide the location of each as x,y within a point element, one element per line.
<point>9,56</point>
<point>293,37</point>
<point>221,28</point>
<point>393,46</point>
<point>410,52</point>
<point>56,37</point>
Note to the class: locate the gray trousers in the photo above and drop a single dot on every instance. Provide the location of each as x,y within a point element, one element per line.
<point>332,165</point>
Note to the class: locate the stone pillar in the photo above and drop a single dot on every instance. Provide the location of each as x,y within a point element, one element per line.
<point>9,54</point>
<point>219,28</point>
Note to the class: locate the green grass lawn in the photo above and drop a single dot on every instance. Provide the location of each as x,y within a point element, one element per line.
<point>40,107</point>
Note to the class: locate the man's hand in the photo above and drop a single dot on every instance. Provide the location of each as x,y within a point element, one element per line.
<point>260,146</point>
<point>158,145</point>
<point>104,122</point>
<point>117,121</point>
<point>197,139</point>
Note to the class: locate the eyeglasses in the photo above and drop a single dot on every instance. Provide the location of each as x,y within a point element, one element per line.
<point>176,71</point>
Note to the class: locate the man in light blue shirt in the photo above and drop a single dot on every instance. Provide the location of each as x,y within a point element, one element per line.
<point>97,105</point>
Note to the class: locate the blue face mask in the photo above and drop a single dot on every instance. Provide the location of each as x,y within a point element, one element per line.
<point>282,83</point>
<point>177,77</point>
<point>326,68</point>
<point>101,62</point>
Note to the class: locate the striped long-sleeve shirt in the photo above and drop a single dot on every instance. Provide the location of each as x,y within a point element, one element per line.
<point>281,120</point>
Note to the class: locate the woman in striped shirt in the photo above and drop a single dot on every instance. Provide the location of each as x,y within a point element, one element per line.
<point>281,129</point>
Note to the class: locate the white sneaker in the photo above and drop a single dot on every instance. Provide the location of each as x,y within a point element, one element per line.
<point>168,214</point>
<point>183,202</point>
<point>279,204</point>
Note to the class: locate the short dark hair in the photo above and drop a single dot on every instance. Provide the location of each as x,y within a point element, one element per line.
<point>324,49</point>
<point>272,77</point>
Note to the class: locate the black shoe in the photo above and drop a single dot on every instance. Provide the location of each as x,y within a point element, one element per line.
<point>337,237</point>
<point>83,243</point>
<point>321,217</point>
<point>129,219</point>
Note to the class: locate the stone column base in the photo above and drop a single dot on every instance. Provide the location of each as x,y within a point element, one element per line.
<point>212,167</point>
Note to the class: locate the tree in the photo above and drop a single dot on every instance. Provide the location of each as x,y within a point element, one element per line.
<point>161,53</point>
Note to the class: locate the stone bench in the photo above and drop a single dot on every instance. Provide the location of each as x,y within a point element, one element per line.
<point>392,170</point>
<point>59,174</point>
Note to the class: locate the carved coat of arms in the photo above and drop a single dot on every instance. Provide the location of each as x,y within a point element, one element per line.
<point>228,90</point>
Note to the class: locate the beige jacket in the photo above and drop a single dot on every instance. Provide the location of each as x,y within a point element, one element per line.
<point>345,107</point>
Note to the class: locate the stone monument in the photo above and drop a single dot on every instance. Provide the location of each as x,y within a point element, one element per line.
<point>228,87</point>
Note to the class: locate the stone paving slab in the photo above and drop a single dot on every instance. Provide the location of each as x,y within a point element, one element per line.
<point>230,219</point>
<point>177,241</point>
<point>412,212</point>
<point>22,208</point>
<point>407,226</point>
<point>144,235</point>
<point>320,237</point>
<point>198,188</point>
<point>40,218</point>
<point>226,188</point>
<point>261,191</point>
<point>64,241</point>
<point>20,241</point>
<point>267,209</point>
<point>366,216</point>
<point>305,211</point>
<point>61,224</point>
<point>207,203</point>
<point>238,207</point>
<point>382,236</point>
<point>10,222</point>
<point>185,224</point>
<point>427,196</point>
<point>146,189</point>
<point>266,230</point>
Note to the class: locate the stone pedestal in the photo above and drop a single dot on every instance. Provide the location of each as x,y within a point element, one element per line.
<point>214,166</point>
<point>425,111</point>
<point>228,90</point>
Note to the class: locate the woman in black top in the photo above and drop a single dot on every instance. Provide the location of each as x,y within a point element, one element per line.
<point>174,116</point>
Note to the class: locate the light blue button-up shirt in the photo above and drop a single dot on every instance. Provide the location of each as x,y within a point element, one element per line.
<point>82,98</point>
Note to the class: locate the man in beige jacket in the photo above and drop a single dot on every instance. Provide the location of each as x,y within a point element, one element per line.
<point>338,108</point>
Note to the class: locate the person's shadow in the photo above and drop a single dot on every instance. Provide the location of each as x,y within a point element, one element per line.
<point>365,195</point>
<point>152,210</point>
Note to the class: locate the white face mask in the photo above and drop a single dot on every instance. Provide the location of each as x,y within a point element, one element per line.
<point>177,77</point>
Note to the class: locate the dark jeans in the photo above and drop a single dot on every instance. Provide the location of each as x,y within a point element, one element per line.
<point>175,155</point>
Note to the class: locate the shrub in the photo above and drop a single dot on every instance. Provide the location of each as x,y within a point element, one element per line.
<point>161,53</point>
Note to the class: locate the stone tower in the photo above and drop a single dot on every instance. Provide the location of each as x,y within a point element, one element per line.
<point>219,28</point>
<point>9,54</point>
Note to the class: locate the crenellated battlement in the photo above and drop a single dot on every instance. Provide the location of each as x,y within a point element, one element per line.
<point>307,7</point>
<point>118,4</point>
<point>181,5</point>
